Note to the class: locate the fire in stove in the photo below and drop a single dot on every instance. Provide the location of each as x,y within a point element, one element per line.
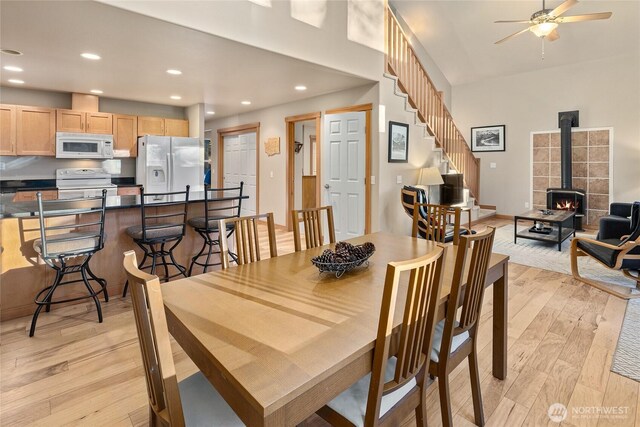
<point>568,205</point>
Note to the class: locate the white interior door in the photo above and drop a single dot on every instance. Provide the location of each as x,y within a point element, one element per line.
<point>343,171</point>
<point>240,166</point>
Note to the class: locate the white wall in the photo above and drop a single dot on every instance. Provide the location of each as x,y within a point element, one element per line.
<point>327,32</point>
<point>391,216</point>
<point>607,94</point>
<point>272,193</point>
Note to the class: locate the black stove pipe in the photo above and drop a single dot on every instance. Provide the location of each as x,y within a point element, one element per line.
<point>567,120</point>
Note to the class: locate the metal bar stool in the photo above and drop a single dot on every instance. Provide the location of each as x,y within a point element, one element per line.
<point>207,226</point>
<point>69,237</point>
<point>164,219</point>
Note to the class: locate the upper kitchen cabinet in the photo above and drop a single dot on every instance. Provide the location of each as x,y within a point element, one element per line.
<point>150,125</point>
<point>125,135</point>
<point>83,122</point>
<point>162,126</point>
<point>7,130</point>
<point>35,131</point>
<point>173,127</point>
<point>100,123</point>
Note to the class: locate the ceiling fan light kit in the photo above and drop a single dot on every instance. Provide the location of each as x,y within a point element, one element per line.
<point>544,22</point>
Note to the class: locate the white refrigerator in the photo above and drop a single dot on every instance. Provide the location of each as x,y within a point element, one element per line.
<point>167,164</point>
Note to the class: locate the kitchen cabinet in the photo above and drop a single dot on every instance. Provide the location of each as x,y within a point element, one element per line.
<point>83,122</point>
<point>173,127</point>
<point>161,126</point>
<point>30,196</point>
<point>35,131</point>
<point>7,130</point>
<point>125,135</point>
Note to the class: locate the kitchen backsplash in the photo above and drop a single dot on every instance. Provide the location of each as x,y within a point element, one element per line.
<point>38,167</point>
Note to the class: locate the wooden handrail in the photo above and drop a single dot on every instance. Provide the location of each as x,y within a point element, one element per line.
<point>402,62</point>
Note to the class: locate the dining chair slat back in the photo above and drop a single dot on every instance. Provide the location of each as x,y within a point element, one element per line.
<point>313,229</point>
<point>407,385</point>
<point>247,239</point>
<point>155,346</point>
<point>479,246</point>
<point>430,221</point>
<point>457,337</point>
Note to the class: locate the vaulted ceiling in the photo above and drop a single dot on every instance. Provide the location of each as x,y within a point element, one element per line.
<point>460,35</point>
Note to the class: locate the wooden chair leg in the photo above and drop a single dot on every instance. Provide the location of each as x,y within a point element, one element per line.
<point>445,399</point>
<point>421,410</point>
<point>476,392</point>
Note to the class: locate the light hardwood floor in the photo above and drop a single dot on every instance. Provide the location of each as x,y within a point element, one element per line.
<point>562,336</point>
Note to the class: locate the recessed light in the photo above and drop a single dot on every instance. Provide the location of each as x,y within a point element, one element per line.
<point>91,56</point>
<point>211,113</point>
<point>12,68</point>
<point>98,91</point>
<point>174,72</point>
<point>300,87</point>
<point>16,81</point>
<point>11,52</point>
<point>246,103</point>
<point>176,97</point>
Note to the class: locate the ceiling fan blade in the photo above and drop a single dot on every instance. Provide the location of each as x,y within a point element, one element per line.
<point>514,22</point>
<point>552,36</point>
<point>512,35</point>
<point>568,4</point>
<point>587,17</point>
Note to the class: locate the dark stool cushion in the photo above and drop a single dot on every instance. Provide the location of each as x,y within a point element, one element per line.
<point>69,243</point>
<point>199,223</point>
<point>175,231</point>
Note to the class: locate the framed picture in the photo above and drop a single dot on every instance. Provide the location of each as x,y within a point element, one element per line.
<point>398,142</point>
<point>487,138</point>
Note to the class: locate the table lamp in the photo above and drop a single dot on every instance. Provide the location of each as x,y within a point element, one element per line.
<point>429,176</point>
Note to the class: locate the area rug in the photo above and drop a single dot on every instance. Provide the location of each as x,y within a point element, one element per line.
<point>545,255</point>
<point>626,359</point>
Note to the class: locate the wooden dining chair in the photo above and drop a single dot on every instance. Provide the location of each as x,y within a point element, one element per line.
<point>312,220</point>
<point>455,337</point>
<point>432,222</point>
<point>396,386</point>
<point>247,239</point>
<point>192,401</point>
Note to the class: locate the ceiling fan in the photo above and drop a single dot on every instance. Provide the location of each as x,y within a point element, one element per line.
<point>544,23</point>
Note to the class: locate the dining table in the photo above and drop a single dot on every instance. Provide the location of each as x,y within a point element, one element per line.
<point>278,339</point>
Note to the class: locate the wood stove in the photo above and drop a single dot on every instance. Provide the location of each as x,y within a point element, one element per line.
<point>567,198</point>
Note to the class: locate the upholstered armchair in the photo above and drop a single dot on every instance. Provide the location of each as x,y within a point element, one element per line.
<point>617,223</point>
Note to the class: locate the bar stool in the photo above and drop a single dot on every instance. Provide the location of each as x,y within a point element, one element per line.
<point>164,219</point>
<point>69,237</point>
<point>207,226</point>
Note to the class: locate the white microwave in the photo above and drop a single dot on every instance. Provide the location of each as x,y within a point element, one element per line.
<point>83,146</point>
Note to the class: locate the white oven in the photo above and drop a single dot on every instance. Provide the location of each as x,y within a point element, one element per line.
<point>80,183</point>
<point>83,146</point>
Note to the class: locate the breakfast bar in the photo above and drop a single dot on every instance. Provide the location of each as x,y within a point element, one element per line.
<point>23,274</point>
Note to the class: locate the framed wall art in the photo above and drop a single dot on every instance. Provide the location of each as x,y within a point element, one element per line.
<point>488,138</point>
<point>398,142</point>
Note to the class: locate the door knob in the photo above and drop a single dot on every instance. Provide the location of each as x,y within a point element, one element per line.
<point>327,186</point>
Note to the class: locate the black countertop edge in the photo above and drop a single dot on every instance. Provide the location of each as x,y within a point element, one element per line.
<point>9,209</point>
<point>15,185</point>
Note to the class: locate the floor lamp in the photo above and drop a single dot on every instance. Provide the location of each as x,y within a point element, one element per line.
<point>428,177</point>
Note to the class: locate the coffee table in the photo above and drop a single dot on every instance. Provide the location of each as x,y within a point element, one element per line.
<point>560,221</point>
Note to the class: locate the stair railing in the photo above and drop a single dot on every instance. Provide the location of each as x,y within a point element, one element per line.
<point>402,62</point>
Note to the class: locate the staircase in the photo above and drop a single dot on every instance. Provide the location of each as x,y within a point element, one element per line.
<point>412,80</point>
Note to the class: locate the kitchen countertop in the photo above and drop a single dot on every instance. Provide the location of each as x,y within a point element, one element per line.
<point>11,209</point>
<point>15,185</point>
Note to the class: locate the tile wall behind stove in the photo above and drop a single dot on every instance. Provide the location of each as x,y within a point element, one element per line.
<point>590,164</point>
